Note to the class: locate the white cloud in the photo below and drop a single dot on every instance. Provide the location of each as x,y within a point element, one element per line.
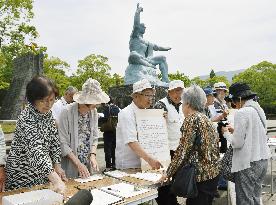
<point>223,35</point>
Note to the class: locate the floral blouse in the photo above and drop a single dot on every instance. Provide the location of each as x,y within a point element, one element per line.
<point>83,149</point>
<point>205,154</point>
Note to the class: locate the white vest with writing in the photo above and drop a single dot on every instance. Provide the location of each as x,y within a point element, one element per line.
<point>174,122</point>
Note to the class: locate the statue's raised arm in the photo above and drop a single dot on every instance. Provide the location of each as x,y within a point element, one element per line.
<point>137,15</point>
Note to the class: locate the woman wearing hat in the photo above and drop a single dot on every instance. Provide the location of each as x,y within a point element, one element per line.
<point>78,130</point>
<point>249,142</point>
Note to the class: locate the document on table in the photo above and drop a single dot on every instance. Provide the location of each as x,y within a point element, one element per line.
<point>116,174</point>
<point>153,177</point>
<point>103,198</point>
<point>124,190</point>
<point>89,179</point>
<point>153,135</point>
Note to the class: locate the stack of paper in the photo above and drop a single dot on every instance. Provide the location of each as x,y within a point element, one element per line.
<point>103,198</point>
<point>89,179</point>
<point>39,197</point>
<point>153,177</point>
<point>124,190</point>
<point>117,174</point>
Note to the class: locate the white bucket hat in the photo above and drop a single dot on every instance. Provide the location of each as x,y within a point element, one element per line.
<point>220,86</point>
<point>91,93</point>
<point>141,85</point>
<point>176,84</point>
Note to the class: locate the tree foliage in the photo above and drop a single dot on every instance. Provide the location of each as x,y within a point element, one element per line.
<point>55,69</point>
<point>262,80</point>
<point>212,74</point>
<point>17,35</point>
<point>180,76</point>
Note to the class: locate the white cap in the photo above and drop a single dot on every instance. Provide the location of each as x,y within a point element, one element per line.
<point>176,84</point>
<point>141,85</point>
<point>220,85</point>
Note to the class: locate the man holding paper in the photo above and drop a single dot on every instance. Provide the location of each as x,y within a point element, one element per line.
<point>128,150</point>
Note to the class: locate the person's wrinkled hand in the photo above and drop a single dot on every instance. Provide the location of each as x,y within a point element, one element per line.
<point>230,129</point>
<point>163,179</point>
<point>165,115</point>
<point>224,129</point>
<point>225,113</point>
<point>57,184</point>
<point>60,172</point>
<point>94,162</point>
<point>2,178</point>
<point>155,164</point>
<point>83,171</point>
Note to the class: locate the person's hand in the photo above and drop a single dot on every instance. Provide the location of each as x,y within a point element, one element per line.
<point>139,9</point>
<point>225,113</point>
<point>2,178</point>
<point>163,179</point>
<point>57,184</point>
<point>155,164</point>
<point>60,172</point>
<point>83,171</point>
<point>165,115</point>
<point>94,162</point>
<point>224,129</point>
<point>230,129</point>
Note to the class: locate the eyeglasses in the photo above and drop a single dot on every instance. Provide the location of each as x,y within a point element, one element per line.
<point>148,96</point>
<point>44,102</point>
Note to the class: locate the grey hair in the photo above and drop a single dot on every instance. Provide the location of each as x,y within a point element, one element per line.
<point>71,89</point>
<point>195,97</point>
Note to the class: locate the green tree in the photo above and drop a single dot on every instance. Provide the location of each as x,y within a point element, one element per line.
<point>16,34</point>
<point>96,67</point>
<point>212,74</point>
<point>199,82</point>
<point>180,76</point>
<point>55,69</point>
<point>215,79</point>
<point>262,80</point>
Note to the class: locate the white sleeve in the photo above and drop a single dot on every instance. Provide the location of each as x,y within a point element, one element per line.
<point>129,127</point>
<point>2,148</point>
<point>240,126</point>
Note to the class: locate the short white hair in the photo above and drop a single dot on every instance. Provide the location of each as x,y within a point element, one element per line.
<point>195,97</point>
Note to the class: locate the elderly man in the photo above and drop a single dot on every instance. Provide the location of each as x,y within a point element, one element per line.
<point>128,150</point>
<point>173,106</point>
<point>63,101</point>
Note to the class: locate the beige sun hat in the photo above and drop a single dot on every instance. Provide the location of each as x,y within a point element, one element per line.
<point>91,93</point>
<point>141,85</point>
<point>176,84</point>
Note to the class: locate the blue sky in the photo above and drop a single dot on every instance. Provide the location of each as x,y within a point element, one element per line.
<point>218,34</point>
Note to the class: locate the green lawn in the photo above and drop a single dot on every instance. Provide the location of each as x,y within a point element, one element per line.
<point>7,128</point>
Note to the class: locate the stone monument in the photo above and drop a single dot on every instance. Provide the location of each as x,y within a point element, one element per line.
<point>142,63</point>
<point>25,68</point>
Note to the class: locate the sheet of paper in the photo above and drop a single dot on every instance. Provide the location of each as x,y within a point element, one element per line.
<point>117,174</point>
<point>124,190</point>
<point>153,135</point>
<point>89,179</point>
<point>103,198</point>
<point>153,177</point>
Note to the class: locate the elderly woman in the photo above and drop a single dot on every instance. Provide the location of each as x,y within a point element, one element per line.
<point>249,142</point>
<point>78,130</point>
<point>35,151</point>
<point>206,154</point>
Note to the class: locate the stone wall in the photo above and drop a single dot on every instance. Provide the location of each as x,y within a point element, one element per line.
<point>25,67</point>
<point>122,94</point>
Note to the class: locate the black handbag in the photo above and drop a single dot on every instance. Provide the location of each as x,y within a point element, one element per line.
<point>226,165</point>
<point>184,182</point>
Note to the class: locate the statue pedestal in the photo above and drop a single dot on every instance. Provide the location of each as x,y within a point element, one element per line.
<point>135,73</point>
<point>121,95</point>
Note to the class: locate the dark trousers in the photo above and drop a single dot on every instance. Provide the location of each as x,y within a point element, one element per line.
<point>206,192</point>
<point>109,148</point>
<point>165,197</point>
